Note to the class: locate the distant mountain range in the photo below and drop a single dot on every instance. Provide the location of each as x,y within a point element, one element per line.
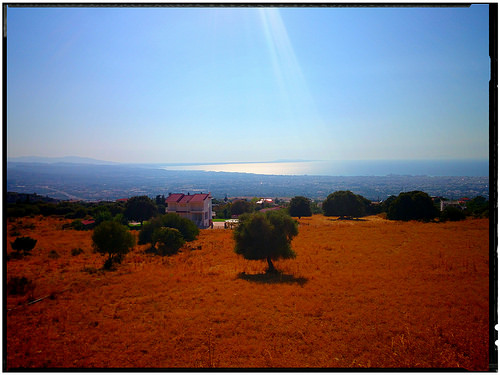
<point>64,159</point>
<point>83,160</point>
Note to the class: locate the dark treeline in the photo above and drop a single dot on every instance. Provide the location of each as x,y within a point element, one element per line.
<point>415,205</point>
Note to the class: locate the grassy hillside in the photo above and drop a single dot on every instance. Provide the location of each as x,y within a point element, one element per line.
<point>371,293</point>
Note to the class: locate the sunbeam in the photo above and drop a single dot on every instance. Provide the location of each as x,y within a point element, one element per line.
<point>295,95</point>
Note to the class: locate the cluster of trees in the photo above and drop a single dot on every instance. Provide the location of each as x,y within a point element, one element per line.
<point>167,233</point>
<point>413,205</point>
<point>137,208</point>
<point>225,209</point>
<point>259,235</point>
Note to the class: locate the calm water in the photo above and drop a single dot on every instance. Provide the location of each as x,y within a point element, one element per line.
<point>473,168</point>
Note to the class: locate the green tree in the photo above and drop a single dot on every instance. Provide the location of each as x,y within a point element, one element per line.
<point>240,207</point>
<point>478,206</point>
<point>300,206</point>
<point>24,245</point>
<point>101,215</point>
<point>113,239</point>
<point>343,203</point>
<point>147,229</point>
<point>413,205</point>
<point>167,241</point>
<point>120,218</point>
<point>451,213</point>
<point>266,236</point>
<point>384,207</point>
<point>186,227</point>
<point>140,208</point>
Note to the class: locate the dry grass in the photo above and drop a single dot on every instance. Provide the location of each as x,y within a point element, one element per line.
<point>371,293</point>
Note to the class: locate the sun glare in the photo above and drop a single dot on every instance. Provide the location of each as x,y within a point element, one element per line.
<point>295,95</point>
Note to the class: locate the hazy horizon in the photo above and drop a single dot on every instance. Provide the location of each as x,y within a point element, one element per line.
<point>415,167</point>
<point>243,84</point>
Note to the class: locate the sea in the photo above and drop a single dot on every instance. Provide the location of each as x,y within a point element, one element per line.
<point>465,167</point>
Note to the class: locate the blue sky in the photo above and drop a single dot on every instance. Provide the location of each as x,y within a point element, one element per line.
<point>248,84</point>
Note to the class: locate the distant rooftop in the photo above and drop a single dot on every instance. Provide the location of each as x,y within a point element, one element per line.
<point>183,198</point>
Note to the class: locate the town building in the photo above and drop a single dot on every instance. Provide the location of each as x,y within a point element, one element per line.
<point>195,207</point>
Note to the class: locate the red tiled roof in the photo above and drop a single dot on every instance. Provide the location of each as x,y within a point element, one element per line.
<point>182,198</point>
<point>88,222</point>
<point>174,198</point>
<point>186,199</point>
<point>199,197</point>
<point>122,200</point>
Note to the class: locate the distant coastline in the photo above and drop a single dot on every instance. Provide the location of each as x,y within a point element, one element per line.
<point>465,167</point>
<point>301,167</point>
<point>93,182</point>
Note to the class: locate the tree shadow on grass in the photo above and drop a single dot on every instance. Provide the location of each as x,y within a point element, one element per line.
<point>273,278</point>
<point>350,218</point>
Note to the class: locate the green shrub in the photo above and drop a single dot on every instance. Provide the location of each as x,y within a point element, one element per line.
<point>451,213</point>
<point>77,225</point>
<point>19,286</point>
<point>186,227</point>
<point>168,241</point>
<point>76,251</point>
<point>23,244</point>
<point>53,254</point>
<point>113,239</point>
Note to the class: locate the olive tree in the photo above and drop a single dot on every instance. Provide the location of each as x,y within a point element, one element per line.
<point>413,205</point>
<point>343,203</point>
<point>300,206</point>
<point>265,236</point>
<point>113,239</point>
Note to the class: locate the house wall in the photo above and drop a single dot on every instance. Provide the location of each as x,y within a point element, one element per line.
<point>198,212</point>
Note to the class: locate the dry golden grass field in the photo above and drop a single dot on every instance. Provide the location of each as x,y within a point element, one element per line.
<point>360,294</point>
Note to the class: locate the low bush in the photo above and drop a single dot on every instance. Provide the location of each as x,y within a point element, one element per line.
<point>54,254</point>
<point>76,251</point>
<point>23,245</point>
<point>168,241</point>
<point>20,286</point>
<point>451,213</point>
<point>77,225</point>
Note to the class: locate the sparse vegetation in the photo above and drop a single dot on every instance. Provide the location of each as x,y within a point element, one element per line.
<point>76,251</point>
<point>54,254</point>
<point>360,294</point>
<point>20,286</point>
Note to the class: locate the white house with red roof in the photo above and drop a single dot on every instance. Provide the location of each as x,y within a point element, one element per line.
<point>195,207</point>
